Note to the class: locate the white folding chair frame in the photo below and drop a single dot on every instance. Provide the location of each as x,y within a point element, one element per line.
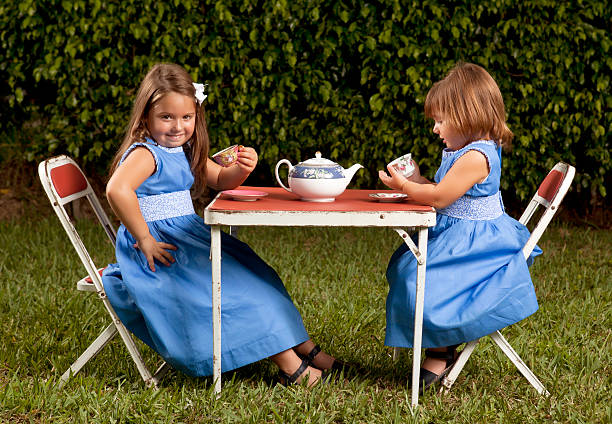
<point>58,203</point>
<point>567,172</point>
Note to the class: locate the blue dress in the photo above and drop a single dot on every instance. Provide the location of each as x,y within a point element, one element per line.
<point>171,309</point>
<point>477,280</point>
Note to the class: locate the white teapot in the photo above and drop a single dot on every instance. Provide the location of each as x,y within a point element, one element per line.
<point>317,179</point>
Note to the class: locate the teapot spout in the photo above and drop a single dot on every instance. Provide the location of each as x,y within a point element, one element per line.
<point>350,172</point>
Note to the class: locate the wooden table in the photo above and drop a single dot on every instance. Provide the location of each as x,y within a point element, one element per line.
<point>353,208</point>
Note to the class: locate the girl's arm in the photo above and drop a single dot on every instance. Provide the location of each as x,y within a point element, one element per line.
<point>417,177</point>
<point>121,195</point>
<point>227,178</point>
<point>469,169</point>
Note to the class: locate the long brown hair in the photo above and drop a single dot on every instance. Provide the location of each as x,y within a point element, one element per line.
<point>162,79</point>
<point>470,101</point>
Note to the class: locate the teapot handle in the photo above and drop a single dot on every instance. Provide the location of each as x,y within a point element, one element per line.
<point>280,162</point>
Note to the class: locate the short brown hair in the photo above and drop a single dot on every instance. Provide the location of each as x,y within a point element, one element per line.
<point>470,101</point>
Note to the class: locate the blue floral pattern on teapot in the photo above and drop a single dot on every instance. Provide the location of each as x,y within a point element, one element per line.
<point>300,171</point>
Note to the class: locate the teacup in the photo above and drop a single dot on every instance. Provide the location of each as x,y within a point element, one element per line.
<point>404,165</point>
<point>227,156</point>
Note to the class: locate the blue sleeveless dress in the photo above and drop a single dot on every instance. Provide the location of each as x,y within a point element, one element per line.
<point>171,309</point>
<point>477,280</point>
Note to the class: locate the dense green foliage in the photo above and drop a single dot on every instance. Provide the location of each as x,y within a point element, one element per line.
<point>291,77</point>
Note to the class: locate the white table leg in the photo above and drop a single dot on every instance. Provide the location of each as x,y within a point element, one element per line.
<point>418,315</point>
<point>420,254</point>
<point>215,256</point>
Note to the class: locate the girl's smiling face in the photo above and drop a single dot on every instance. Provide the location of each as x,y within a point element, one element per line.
<point>447,133</point>
<point>171,121</point>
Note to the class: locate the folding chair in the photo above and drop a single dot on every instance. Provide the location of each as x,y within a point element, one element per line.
<point>549,195</point>
<point>64,182</point>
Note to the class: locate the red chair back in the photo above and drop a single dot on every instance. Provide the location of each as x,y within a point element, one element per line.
<point>549,195</point>
<point>550,186</point>
<point>67,180</point>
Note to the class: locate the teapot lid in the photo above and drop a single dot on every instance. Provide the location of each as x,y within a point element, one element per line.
<point>318,161</point>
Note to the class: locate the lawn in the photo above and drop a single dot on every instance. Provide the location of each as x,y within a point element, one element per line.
<point>336,278</point>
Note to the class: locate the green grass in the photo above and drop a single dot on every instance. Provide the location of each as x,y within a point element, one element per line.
<point>336,278</point>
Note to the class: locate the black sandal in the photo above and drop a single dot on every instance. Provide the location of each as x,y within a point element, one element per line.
<point>288,380</point>
<point>337,366</point>
<point>428,378</point>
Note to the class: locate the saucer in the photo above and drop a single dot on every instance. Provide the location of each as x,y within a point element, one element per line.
<point>244,195</point>
<point>388,197</point>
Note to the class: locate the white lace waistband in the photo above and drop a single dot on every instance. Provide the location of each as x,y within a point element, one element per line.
<point>467,207</point>
<point>166,205</point>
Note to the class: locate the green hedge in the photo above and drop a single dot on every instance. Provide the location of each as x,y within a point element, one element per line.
<point>290,77</point>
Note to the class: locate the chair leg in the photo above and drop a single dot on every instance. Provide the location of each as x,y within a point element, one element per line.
<point>128,341</point>
<point>396,353</point>
<point>159,374</point>
<point>89,353</point>
<point>101,341</point>
<point>131,346</point>
<point>465,354</point>
<point>517,361</point>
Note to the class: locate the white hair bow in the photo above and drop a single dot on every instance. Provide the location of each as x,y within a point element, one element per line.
<point>199,92</point>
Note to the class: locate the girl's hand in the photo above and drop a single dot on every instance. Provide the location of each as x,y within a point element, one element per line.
<point>247,159</point>
<point>416,175</point>
<point>227,178</point>
<point>395,181</point>
<point>155,250</point>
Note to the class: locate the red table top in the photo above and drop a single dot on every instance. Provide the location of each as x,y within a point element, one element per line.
<point>279,199</point>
